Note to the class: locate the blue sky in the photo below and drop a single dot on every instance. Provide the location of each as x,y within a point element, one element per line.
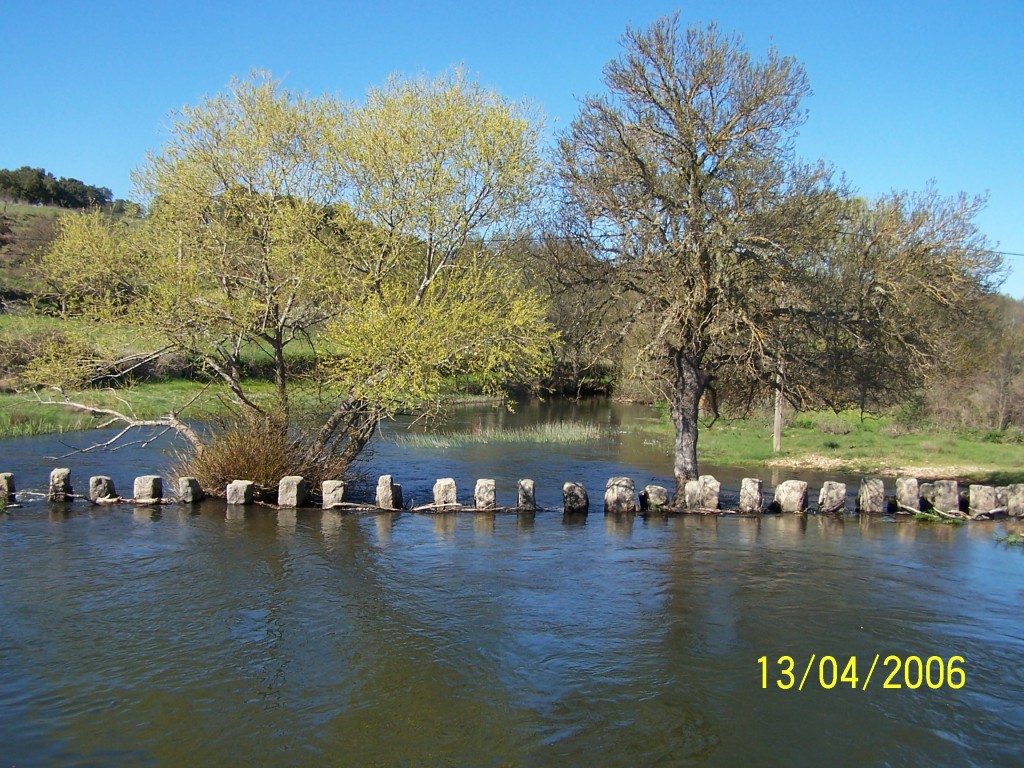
<point>904,92</point>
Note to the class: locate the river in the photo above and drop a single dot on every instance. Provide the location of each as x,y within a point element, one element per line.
<point>179,635</point>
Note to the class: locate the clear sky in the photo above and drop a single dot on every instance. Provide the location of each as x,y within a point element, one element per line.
<point>904,92</point>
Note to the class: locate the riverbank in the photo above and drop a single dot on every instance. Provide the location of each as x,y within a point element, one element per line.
<point>846,442</point>
<point>821,441</point>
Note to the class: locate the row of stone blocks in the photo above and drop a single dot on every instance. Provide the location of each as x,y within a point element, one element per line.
<point>620,496</point>
<point>910,496</point>
<point>148,488</point>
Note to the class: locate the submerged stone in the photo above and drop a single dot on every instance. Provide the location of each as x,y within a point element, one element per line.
<point>1015,500</point>
<point>575,500</point>
<point>389,496</point>
<point>946,496</point>
<point>791,496</point>
<point>101,487</point>
<point>908,494</point>
<point>982,499</point>
<point>751,498</point>
<point>60,485</point>
<point>445,494</point>
<point>484,494</point>
<point>240,492</point>
<point>871,497</point>
<point>7,491</point>
<point>293,491</point>
<point>527,496</point>
<point>653,498</point>
<point>189,490</point>
<point>618,496</point>
<point>691,494</point>
<point>332,493</point>
<point>832,498</point>
<point>148,488</point>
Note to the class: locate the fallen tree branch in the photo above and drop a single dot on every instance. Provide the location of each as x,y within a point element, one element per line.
<point>170,421</point>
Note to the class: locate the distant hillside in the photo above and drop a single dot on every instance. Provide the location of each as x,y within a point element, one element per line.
<point>38,186</point>
<point>31,199</point>
<point>25,230</point>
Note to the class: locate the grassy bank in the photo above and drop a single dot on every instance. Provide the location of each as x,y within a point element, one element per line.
<point>821,441</point>
<point>21,415</point>
<point>845,441</point>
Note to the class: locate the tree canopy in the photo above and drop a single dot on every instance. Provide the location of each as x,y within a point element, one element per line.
<point>38,186</point>
<point>735,261</point>
<point>356,232</point>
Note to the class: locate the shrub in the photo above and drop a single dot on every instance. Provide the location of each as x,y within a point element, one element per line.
<point>262,450</point>
<point>830,424</point>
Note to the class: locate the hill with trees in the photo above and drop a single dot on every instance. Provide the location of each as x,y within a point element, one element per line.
<point>37,186</point>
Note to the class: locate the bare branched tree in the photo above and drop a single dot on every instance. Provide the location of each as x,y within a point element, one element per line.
<point>735,259</point>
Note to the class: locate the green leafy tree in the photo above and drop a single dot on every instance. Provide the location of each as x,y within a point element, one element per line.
<point>439,174</point>
<point>276,219</point>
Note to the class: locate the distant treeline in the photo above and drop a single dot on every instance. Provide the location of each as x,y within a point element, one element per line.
<point>38,186</point>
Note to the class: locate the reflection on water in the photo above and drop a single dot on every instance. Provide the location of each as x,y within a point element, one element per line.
<point>247,636</point>
<point>494,639</point>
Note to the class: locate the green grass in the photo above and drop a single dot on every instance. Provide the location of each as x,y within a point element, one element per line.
<point>1013,539</point>
<point>845,441</point>
<point>21,415</point>
<point>102,335</point>
<point>557,432</point>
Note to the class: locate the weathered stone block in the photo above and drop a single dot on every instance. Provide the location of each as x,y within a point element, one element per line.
<point>908,493</point>
<point>240,492</point>
<point>653,498</point>
<point>484,494</point>
<point>619,495</point>
<point>333,493</point>
<point>982,499</point>
<point>871,496</point>
<point>527,496</point>
<point>832,498</point>
<point>1015,500</point>
<point>791,496</point>
<point>709,493</point>
<point>60,485</point>
<point>927,494</point>
<point>751,498</point>
<point>575,500</point>
<point>946,496</point>
<point>7,490</point>
<point>293,491</point>
<point>445,492</point>
<point>691,494</point>
<point>189,490</point>
<point>1002,498</point>
<point>386,493</point>
<point>101,487</point>
<point>148,488</point>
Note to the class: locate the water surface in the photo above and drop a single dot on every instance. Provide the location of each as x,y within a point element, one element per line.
<point>177,635</point>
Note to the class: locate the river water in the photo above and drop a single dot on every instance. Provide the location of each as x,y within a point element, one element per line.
<point>179,635</point>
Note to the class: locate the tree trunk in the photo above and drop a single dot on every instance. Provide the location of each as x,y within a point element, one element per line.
<point>777,425</point>
<point>689,383</point>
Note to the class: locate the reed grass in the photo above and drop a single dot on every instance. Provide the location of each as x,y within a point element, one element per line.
<point>554,432</point>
